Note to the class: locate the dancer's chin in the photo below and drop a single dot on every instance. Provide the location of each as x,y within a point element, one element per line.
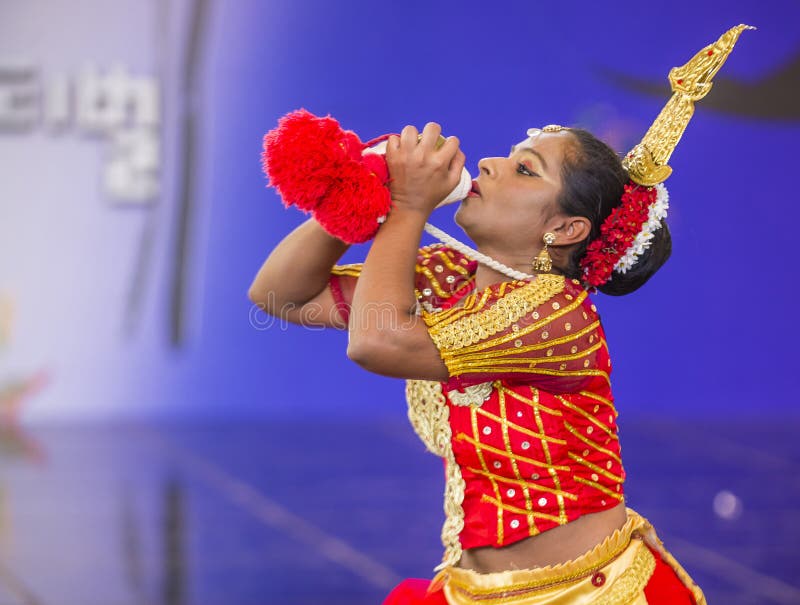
<point>461,216</point>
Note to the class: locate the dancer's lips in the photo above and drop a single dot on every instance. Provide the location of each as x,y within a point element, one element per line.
<point>475,191</point>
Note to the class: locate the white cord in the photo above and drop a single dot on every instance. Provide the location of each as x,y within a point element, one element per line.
<point>449,240</point>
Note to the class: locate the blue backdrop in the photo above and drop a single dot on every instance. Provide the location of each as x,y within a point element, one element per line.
<point>711,333</point>
<point>135,306</point>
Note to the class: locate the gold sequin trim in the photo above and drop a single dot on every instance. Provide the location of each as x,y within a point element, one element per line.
<point>530,401</point>
<point>522,483</point>
<point>526,431</point>
<point>562,516</point>
<point>508,454</point>
<point>487,363</point>
<point>473,328</point>
<point>588,416</point>
<point>440,291</point>
<point>475,394</point>
<point>548,579</point>
<point>601,399</point>
<point>598,487</point>
<point>352,270</point>
<point>475,352</point>
<point>499,340</point>
<point>543,372</point>
<point>485,467</point>
<point>479,351</point>
<point>595,468</point>
<point>430,417</point>
<point>625,589</point>
<point>517,510</point>
<point>532,529</point>
<point>469,304</point>
<point>576,433</point>
<point>521,350</point>
<point>632,581</point>
<point>435,252</point>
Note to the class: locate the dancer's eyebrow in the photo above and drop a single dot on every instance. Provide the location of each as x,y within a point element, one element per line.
<point>533,151</point>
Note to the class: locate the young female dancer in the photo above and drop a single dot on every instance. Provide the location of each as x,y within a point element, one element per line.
<point>505,356</point>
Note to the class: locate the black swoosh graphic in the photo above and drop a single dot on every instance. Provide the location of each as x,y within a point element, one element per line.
<point>774,96</point>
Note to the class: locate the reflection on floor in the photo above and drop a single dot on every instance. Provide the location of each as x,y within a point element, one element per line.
<point>338,513</point>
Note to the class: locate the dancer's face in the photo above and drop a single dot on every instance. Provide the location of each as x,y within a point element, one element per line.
<point>517,195</point>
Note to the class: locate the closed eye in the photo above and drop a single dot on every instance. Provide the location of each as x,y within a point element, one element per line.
<point>523,169</point>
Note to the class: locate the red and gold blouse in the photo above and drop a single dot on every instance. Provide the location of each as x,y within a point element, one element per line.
<point>526,423</point>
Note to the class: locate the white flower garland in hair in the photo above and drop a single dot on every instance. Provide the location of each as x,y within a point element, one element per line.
<point>655,216</point>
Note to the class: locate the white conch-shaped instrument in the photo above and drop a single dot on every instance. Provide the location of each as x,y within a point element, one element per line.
<point>456,195</point>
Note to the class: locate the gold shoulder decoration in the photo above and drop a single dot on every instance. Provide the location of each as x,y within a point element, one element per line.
<point>462,330</point>
<point>430,417</point>
<point>647,162</point>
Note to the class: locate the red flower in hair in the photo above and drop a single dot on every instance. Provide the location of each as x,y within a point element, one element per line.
<point>617,234</point>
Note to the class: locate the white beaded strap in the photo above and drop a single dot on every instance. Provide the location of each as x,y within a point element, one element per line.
<point>449,240</point>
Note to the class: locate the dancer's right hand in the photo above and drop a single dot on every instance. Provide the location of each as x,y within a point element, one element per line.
<point>421,175</point>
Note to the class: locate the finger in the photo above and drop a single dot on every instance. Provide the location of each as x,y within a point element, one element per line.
<point>456,167</point>
<point>408,137</point>
<point>449,149</point>
<point>392,146</point>
<point>430,135</point>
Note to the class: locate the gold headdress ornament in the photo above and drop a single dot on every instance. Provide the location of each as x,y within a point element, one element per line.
<point>647,162</point>
<point>629,230</point>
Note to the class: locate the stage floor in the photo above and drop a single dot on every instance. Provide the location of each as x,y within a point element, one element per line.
<point>337,513</point>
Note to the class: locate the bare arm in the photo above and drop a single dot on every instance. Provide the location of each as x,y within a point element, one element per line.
<point>292,282</point>
<point>386,336</point>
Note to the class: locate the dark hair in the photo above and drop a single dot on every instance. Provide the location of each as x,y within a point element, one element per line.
<point>593,180</point>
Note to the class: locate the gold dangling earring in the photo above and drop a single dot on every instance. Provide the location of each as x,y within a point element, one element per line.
<point>543,263</point>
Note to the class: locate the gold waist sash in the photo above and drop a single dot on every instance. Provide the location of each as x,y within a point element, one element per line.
<point>615,571</point>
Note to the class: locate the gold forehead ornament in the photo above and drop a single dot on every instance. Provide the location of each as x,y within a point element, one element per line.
<point>549,128</point>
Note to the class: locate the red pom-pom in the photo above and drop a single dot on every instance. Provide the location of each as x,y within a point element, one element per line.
<point>304,153</point>
<point>319,167</point>
<point>357,199</point>
<point>376,164</point>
